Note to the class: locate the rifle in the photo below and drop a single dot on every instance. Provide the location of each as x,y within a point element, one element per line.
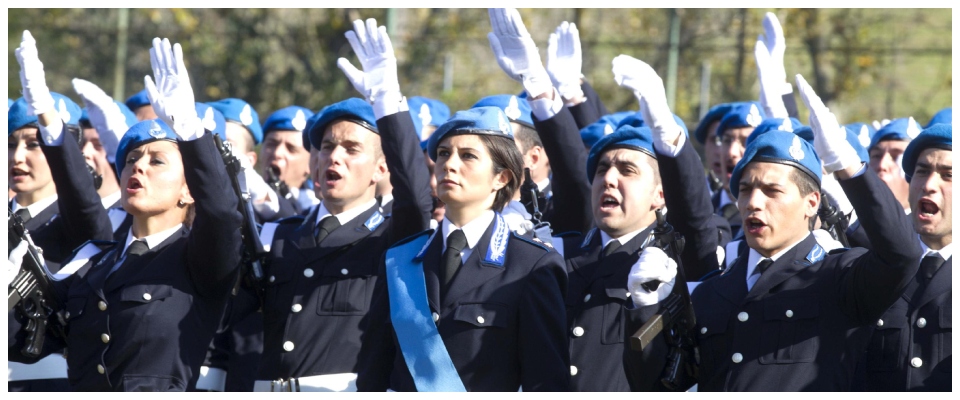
<point>278,185</point>
<point>82,141</point>
<point>714,181</point>
<point>675,317</point>
<point>833,220</point>
<point>32,290</point>
<point>253,251</point>
<point>529,197</point>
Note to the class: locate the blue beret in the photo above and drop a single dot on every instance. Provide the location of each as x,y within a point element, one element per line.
<point>212,120</point>
<point>426,111</point>
<point>944,116</point>
<point>778,147</point>
<point>780,124</point>
<point>606,125</point>
<point>715,113</point>
<point>138,100</point>
<point>864,132</point>
<point>141,133</point>
<point>517,109</point>
<point>292,118</point>
<point>636,120</point>
<point>853,137</point>
<point>740,116</point>
<point>306,131</point>
<point>128,115</point>
<point>240,111</point>
<point>68,110</point>
<point>898,129</point>
<point>625,137</point>
<point>938,136</point>
<point>475,121</point>
<point>354,109</point>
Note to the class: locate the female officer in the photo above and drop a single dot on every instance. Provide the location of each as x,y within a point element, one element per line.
<point>472,305</point>
<point>140,314</point>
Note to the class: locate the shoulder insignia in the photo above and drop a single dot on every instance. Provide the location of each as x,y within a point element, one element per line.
<point>374,221</point>
<point>497,249</point>
<point>423,250</point>
<point>588,238</point>
<point>815,254</point>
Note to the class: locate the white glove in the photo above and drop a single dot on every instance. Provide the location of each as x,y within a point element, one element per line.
<point>516,52</point>
<point>378,81</point>
<point>172,96</point>
<point>105,115</point>
<point>640,77</point>
<point>770,98</point>
<point>829,138</point>
<point>653,265</point>
<point>565,60</point>
<point>32,78</point>
<point>776,45</point>
<point>265,200</point>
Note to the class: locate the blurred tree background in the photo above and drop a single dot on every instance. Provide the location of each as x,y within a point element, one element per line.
<point>865,63</point>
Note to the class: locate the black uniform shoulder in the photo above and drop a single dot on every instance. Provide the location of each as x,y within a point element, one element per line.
<point>411,238</point>
<point>529,239</point>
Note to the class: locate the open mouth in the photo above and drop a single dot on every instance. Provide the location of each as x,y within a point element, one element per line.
<point>754,225</point>
<point>134,185</point>
<point>332,177</point>
<point>927,209</point>
<point>608,202</point>
<point>18,174</point>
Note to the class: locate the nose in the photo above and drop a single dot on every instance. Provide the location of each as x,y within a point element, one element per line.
<point>19,154</point>
<point>610,178</point>
<point>88,151</point>
<point>888,164</point>
<point>753,199</point>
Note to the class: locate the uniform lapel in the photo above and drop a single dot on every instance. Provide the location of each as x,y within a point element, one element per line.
<point>349,233</point>
<point>788,265</point>
<point>474,272</point>
<point>44,217</point>
<point>941,282</point>
<point>132,272</point>
<point>98,273</point>
<point>732,283</point>
<point>623,257</point>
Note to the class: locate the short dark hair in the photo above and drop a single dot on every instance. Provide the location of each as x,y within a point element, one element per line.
<point>806,184</point>
<point>505,156</point>
<point>527,137</point>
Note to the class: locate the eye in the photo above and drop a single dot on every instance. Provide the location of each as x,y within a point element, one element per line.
<point>33,145</point>
<point>469,156</point>
<point>156,161</point>
<point>443,153</point>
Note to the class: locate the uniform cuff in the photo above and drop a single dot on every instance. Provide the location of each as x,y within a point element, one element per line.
<point>389,103</point>
<point>52,135</point>
<point>547,108</point>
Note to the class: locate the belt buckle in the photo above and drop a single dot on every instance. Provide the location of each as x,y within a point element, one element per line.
<point>285,385</point>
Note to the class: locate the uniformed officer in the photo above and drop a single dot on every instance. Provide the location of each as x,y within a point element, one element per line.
<point>428,114</point>
<point>886,149</point>
<point>140,314</point>
<point>323,267</point>
<point>564,64</point>
<point>43,158</point>
<point>606,125</point>
<point>140,104</point>
<point>787,316</point>
<point>944,116</point>
<point>733,131</point>
<point>472,306</point>
<point>910,349</point>
<point>285,162</point>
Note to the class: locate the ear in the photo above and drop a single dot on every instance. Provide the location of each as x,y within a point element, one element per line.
<point>185,196</point>
<point>380,171</point>
<point>658,201</point>
<point>252,155</point>
<point>811,204</point>
<point>536,154</point>
<point>502,179</point>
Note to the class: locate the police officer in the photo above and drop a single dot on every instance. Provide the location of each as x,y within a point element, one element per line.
<point>55,197</point>
<point>886,149</point>
<point>733,131</point>
<point>486,316</point>
<point>140,104</point>
<point>910,349</point>
<point>428,114</point>
<point>564,64</point>
<point>788,316</point>
<point>323,267</point>
<point>285,162</point>
<point>158,295</point>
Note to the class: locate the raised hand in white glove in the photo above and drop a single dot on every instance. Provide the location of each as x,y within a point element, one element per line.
<point>378,81</point>
<point>640,77</point>
<point>776,45</point>
<point>105,115</point>
<point>516,52</point>
<point>829,138</point>
<point>653,265</point>
<point>172,96</point>
<point>32,78</point>
<point>565,60</point>
<point>265,200</point>
<point>770,96</point>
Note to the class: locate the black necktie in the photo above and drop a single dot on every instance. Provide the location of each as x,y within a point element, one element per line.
<point>134,251</point>
<point>451,256</point>
<point>762,266</point>
<point>610,248</point>
<point>24,214</point>
<point>326,226</point>
<point>929,265</point>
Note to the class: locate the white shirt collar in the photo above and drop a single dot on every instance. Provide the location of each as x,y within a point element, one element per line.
<point>473,230</point>
<point>755,257</point>
<point>37,207</point>
<point>946,252</point>
<point>110,199</point>
<point>542,185</point>
<point>386,198</point>
<point>606,239</point>
<point>152,240</point>
<point>724,198</point>
<point>345,216</point>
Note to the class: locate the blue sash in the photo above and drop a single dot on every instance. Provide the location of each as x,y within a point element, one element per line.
<point>423,349</point>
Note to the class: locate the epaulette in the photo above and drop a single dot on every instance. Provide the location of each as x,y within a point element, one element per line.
<point>838,250</point>
<point>532,240</point>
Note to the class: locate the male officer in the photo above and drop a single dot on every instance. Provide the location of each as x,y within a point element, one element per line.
<point>323,266</point>
<point>911,345</point>
<point>733,131</point>
<point>285,162</point>
<point>139,103</point>
<point>787,316</point>
<point>428,114</point>
<point>886,149</point>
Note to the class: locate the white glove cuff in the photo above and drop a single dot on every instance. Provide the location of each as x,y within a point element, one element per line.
<point>188,130</point>
<point>387,103</point>
<point>570,90</point>
<point>843,157</point>
<point>547,108</point>
<point>664,147</point>
<point>537,83</point>
<point>52,135</point>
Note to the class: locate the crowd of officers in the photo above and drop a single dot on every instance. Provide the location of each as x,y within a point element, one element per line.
<point>405,248</point>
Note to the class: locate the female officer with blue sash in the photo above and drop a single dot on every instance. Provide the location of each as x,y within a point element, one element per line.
<point>139,314</point>
<point>471,305</point>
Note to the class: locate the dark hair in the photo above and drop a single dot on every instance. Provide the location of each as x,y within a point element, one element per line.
<point>505,156</point>
<point>806,185</point>
<point>527,137</point>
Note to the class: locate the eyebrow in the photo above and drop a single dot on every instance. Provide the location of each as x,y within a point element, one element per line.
<point>937,166</point>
